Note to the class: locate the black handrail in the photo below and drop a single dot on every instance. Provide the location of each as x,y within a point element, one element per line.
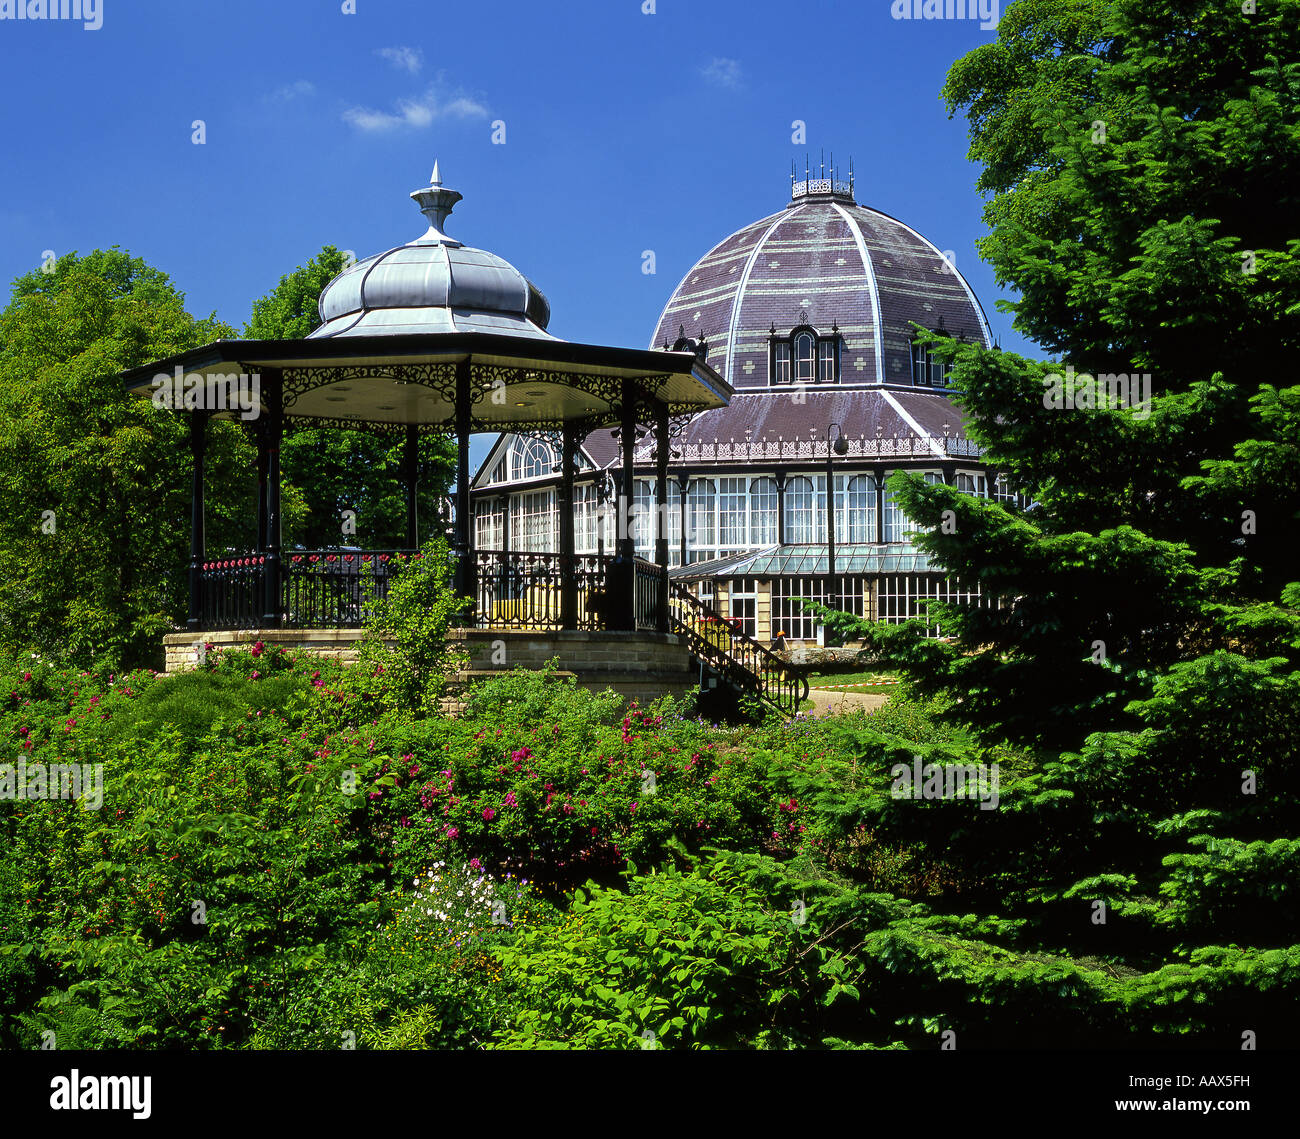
<point>739,659</point>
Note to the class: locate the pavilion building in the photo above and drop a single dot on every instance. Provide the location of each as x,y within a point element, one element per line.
<point>811,315</point>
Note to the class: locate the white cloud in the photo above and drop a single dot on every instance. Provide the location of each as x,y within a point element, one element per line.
<point>417,112</point>
<point>403,58</point>
<point>299,90</point>
<point>723,72</point>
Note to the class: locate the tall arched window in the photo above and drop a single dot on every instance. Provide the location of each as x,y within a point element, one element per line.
<point>533,522</point>
<point>805,357</point>
<point>861,509</point>
<point>532,459</point>
<point>645,518</point>
<point>702,500</point>
<point>799,511</point>
<point>731,514</point>
<point>764,501</point>
<point>893,515</point>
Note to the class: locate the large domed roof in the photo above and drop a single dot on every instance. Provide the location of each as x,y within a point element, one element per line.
<point>824,261</point>
<point>432,284</point>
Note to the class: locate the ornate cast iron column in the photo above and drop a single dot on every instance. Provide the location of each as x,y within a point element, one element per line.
<point>683,486</point>
<point>779,479</point>
<point>878,478</point>
<point>198,447</point>
<point>623,571</point>
<point>662,455</point>
<point>273,397</point>
<point>568,566</point>
<point>463,542</point>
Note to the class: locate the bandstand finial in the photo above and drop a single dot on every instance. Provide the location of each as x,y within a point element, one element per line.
<point>436,202</point>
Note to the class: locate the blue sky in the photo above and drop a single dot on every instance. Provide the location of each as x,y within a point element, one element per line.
<point>624,132</point>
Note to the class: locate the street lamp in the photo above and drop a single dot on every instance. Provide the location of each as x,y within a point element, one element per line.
<point>840,446</point>
<point>683,485</point>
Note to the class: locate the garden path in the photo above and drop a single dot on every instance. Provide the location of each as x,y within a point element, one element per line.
<point>824,701</point>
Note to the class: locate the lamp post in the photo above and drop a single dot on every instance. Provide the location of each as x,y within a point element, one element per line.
<point>683,485</point>
<point>840,446</point>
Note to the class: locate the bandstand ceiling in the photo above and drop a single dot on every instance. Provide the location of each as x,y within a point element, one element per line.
<point>411,380</point>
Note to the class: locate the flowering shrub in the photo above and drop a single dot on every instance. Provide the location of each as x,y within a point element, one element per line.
<point>540,774</point>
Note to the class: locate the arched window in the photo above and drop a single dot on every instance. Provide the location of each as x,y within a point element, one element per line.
<point>645,517</point>
<point>532,459</point>
<point>702,500</point>
<point>533,522</point>
<point>861,509</point>
<point>893,515</point>
<point>799,511</point>
<point>804,356</point>
<point>731,514</point>
<point>764,501</point>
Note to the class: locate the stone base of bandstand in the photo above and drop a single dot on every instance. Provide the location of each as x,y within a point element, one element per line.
<point>638,666</point>
<point>331,644</point>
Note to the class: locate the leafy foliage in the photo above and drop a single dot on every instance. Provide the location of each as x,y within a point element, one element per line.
<point>94,504</point>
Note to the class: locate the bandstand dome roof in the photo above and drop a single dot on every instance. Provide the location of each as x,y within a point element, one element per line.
<point>432,284</point>
<point>822,261</point>
<point>404,329</point>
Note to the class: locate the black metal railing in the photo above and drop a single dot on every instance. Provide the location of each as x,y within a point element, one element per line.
<point>512,590</point>
<point>518,590</point>
<point>332,589</point>
<point>318,588</point>
<point>647,579</point>
<point>741,661</point>
<point>234,592</point>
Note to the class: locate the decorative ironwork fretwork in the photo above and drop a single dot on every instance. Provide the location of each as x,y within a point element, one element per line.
<point>486,380</point>
<point>440,378</point>
<point>733,450</point>
<point>488,377</point>
<point>551,433</point>
<point>679,419</point>
<point>380,428</point>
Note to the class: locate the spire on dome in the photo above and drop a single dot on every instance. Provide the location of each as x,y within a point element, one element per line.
<point>436,203</point>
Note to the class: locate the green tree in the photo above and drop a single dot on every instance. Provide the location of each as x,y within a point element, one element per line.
<point>337,469</point>
<point>1143,162</point>
<point>94,485</point>
<point>1140,624</point>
